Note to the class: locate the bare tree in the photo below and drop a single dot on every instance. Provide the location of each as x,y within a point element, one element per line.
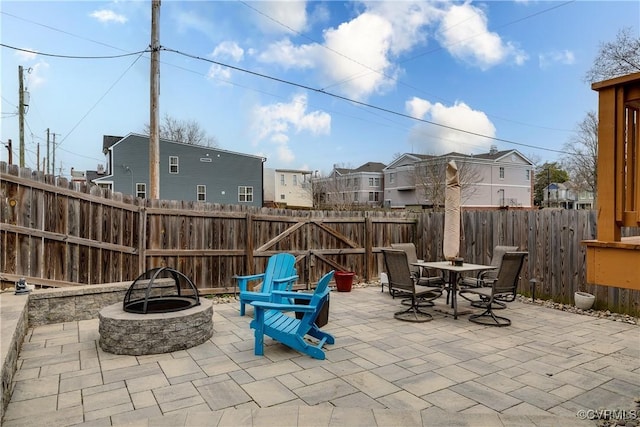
<point>582,160</point>
<point>430,179</point>
<point>185,131</point>
<point>616,58</point>
<point>336,192</point>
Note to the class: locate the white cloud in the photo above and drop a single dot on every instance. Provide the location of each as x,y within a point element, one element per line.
<point>465,34</point>
<point>26,56</point>
<point>285,16</point>
<point>565,57</point>
<point>287,55</point>
<point>228,50</point>
<point>356,57</point>
<point>35,75</point>
<point>364,45</point>
<point>432,139</point>
<point>218,72</point>
<point>408,20</point>
<point>274,123</point>
<point>417,107</point>
<point>106,15</point>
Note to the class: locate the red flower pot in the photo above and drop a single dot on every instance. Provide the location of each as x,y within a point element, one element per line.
<point>344,280</point>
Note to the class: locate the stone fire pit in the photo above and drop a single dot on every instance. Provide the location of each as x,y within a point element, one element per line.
<point>161,312</point>
<point>138,334</point>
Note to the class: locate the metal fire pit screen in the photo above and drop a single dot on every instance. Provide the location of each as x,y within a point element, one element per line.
<point>160,290</point>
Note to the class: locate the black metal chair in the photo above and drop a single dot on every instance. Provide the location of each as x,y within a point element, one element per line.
<point>502,289</point>
<point>421,274</point>
<point>486,277</point>
<point>406,284</point>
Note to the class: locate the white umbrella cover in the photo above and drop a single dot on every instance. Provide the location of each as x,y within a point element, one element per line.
<point>451,244</point>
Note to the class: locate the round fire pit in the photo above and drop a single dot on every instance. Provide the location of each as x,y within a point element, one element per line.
<point>161,313</point>
<point>136,334</point>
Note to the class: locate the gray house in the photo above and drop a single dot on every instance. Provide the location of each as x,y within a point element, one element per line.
<point>187,172</point>
<point>493,180</point>
<point>348,188</point>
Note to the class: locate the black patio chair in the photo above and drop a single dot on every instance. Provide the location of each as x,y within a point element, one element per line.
<point>486,277</point>
<point>502,289</point>
<point>423,275</point>
<point>405,283</point>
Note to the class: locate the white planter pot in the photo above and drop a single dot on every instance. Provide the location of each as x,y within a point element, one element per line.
<point>584,300</point>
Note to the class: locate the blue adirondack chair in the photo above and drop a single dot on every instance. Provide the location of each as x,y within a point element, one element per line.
<point>279,274</point>
<point>271,320</point>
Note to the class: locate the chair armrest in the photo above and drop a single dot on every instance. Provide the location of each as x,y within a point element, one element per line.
<point>282,307</point>
<point>284,283</point>
<point>292,294</point>
<point>243,280</point>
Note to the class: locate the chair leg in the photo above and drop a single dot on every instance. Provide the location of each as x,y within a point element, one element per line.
<point>497,305</point>
<point>413,314</point>
<point>259,333</point>
<point>488,318</point>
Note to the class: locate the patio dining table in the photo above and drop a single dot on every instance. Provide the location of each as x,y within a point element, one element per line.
<point>453,273</point>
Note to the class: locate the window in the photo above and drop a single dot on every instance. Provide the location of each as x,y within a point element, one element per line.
<point>282,182</point>
<point>527,175</point>
<point>141,190</point>
<point>201,192</point>
<point>374,196</point>
<point>501,172</point>
<point>245,194</point>
<point>173,164</point>
<point>295,179</point>
<point>355,196</point>
<point>374,182</point>
<point>282,197</point>
<point>392,178</point>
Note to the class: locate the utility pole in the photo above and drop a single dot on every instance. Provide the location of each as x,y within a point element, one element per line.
<point>48,154</point>
<point>53,160</point>
<point>38,158</point>
<point>154,131</point>
<point>21,113</point>
<point>10,148</point>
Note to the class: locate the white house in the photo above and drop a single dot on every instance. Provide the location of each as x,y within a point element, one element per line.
<point>497,179</point>
<point>288,188</point>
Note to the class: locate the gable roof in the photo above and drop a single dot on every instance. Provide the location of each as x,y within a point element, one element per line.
<point>371,167</point>
<point>407,159</point>
<point>108,141</point>
<point>114,140</point>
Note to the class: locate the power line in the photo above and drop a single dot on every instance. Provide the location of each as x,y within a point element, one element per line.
<point>60,31</point>
<point>101,98</point>
<point>73,56</point>
<point>364,104</point>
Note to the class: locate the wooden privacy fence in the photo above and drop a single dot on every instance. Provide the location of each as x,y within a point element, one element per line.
<point>56,233</point>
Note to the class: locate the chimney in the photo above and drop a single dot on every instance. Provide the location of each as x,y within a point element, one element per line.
<point>493,149</point>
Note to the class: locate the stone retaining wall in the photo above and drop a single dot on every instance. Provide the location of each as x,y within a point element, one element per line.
<point>69,304</point>
<point>13,312</point>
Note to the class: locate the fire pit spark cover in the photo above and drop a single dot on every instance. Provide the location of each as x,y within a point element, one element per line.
<point>160,290</point>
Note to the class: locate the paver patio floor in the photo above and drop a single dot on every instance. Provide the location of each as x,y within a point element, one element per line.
<point>548,368</point>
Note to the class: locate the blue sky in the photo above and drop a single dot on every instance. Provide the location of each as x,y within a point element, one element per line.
<point>350,82</point>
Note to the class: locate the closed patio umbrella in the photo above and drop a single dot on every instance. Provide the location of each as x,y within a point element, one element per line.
<point>451,244</point>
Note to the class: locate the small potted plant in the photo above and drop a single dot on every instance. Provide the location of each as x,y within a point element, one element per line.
<point>583,300</point>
